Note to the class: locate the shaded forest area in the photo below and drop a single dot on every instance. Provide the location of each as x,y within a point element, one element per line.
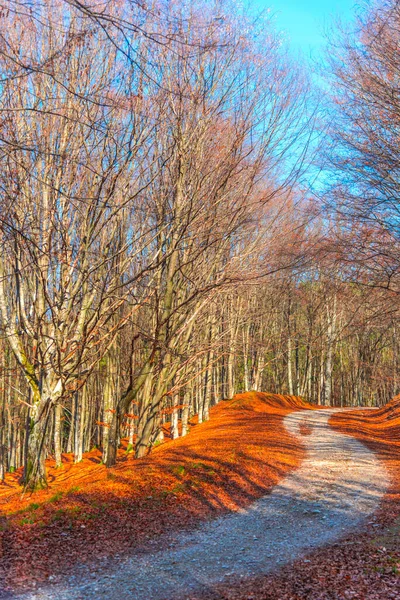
<point>162,247</point>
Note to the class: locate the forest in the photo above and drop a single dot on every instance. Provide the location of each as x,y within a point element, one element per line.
<point>187,214</point>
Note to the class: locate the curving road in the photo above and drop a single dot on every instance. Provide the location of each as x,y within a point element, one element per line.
<point>338,485</point>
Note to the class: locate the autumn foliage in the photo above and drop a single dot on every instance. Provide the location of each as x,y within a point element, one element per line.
<point>222,465</point>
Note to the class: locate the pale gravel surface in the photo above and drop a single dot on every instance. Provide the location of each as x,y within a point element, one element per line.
<point>336,488</point>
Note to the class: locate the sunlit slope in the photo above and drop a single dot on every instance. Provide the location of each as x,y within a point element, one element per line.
<point>382,423</point>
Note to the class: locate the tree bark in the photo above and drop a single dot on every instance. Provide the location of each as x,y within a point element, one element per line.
<point>57,434</point>
<point>175,418</point>
<point>35,467</point>
<point>185,413</point>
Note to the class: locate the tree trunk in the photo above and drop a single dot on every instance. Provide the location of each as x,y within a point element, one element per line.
<point>209,378</point>
<point>57,435</point>
<point>289,366</point>
<point>77,428</point>
<point>230,373</point>
<point>109,407</point>
<point>246,333</point>
<point>200,397</point>
<point>175,418</point>
<point>258,373</point>
<point>185,413</point>
<point>147,422</point>
<point>132,428</point>
<point>143,442</point>
<point>331,317</point>
<point>113,439</point>
<point>71,429</point>
<point>35,469</point>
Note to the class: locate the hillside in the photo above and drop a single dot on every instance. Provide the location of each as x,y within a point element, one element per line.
<point>379,430</point>
<point>222,465</point>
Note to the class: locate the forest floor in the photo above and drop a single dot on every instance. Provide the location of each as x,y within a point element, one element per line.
<point>93,516</point>
<point>214,528</point>
<point>338,485</point>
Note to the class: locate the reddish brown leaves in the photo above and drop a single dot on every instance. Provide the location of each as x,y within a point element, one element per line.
<point>223,464</point>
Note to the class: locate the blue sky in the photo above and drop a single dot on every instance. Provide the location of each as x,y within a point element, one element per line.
<point>303,21</point>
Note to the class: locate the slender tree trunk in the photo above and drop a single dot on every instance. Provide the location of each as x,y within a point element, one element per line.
<point>79,423</point>
<point>289,366</point>
<point>331,316</point>
<point>185,413</point>
<point>3,447</point>
<point>70,441</point>
<point>108,406</point>
<point>289,344</point>
<point>57,434</point>
<point>258,372</point>
<point>246,358</point>
<point>175,418</point>
<point>230,373</point>
<point>77,427</point>
<point>113,439</point>
<point>131,428</point>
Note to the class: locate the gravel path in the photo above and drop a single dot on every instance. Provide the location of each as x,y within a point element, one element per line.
<point>338,485</point>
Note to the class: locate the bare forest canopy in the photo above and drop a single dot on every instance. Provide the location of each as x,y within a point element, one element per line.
<point>162,247</point>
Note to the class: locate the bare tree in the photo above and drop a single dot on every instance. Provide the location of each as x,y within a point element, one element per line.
<point>69,180</point>
<point>363,153</point>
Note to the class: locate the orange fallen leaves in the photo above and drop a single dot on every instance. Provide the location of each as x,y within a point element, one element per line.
<point>380,430</point>
<point>365,565</point>
<point>222,465</point>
